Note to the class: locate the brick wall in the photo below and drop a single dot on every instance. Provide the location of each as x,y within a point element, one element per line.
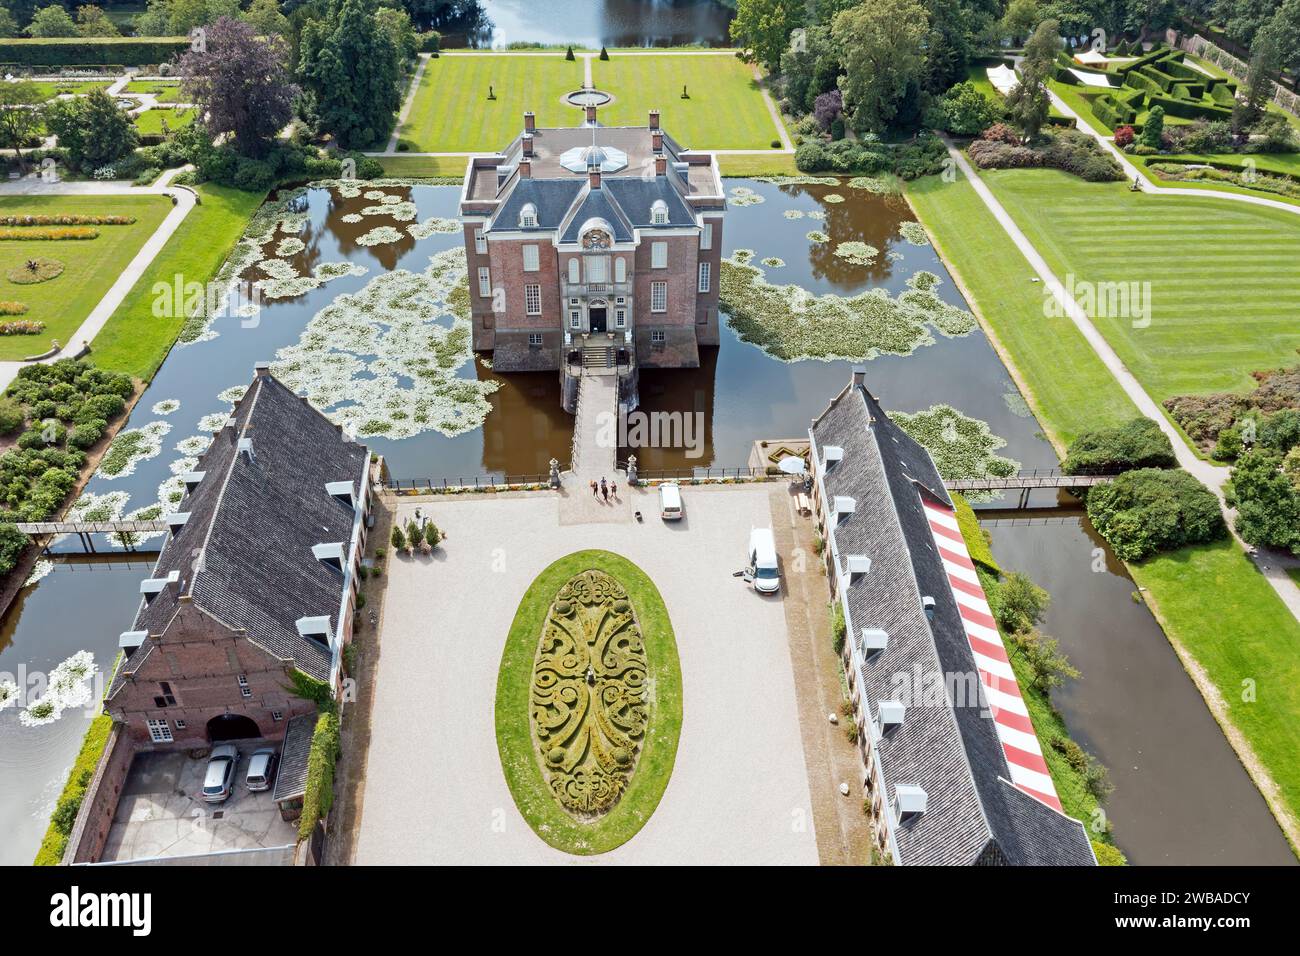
<point>508,275</point>
<point>89,833</point>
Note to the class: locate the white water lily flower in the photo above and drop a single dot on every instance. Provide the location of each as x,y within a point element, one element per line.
<point>39,570</point>
<point>44,711</point>
<point>379,236</point>
<point>8,694</point>
<point>131,447</point>
<point>166,406</point>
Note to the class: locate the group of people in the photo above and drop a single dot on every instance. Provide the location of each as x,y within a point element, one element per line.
<point>604,489</point>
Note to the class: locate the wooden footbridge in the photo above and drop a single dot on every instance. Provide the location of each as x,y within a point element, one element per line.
<point>126,530</point>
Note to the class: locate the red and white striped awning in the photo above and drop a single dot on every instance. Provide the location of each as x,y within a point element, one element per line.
<point>1010,715</point>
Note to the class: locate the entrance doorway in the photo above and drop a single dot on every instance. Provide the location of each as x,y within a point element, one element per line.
<point>596,318</point>
<point>232,727</point>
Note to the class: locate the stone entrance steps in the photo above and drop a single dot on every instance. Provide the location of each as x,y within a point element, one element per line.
<point>597,356</point>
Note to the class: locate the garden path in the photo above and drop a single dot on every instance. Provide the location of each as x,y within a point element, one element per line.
<point>183,201</point>
<point>1213,476</point>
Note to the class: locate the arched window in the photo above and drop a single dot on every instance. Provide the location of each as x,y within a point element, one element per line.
<point>659,213</point>
<point>528,216</point>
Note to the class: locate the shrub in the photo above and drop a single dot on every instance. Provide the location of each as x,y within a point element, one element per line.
<point>963,110</point>
<point>1154,128</point>
<point>1150,510</point>
<point>319,795</point>
<point>12,542</point>
<point>838,627</point>
<point>1123,136</point>
<point>1138,443</point>
<point>11,416</point>
<point>1048,667</point>
<point>397,539</point>
<point>1266,499</point>
<point>827,108</point>
<point>1018,604</point>
<point>87,433</point>
<point>92,51</point>
<point>1280,431</point>
<point>432,535</point>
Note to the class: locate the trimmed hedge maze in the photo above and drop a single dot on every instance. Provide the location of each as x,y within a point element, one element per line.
<point>1159,78</point>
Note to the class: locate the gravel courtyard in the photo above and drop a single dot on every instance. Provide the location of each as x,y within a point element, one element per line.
<point>434,791</point>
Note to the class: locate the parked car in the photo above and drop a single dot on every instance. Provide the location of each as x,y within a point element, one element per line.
<point>762,569</point>
<point>670,501</point>
<point>261,769</point>
<point>219,780</point>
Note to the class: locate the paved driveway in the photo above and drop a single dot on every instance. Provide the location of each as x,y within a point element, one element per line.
<point>434,790</point>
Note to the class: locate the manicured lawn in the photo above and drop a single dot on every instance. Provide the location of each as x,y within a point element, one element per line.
<point>1069,388</point>
<point>50,89</point>
<point>1213,601</point>
<point>164,91</point>
<point>137,341</point>
<point>757,164</point>
<point>91,266</point>
<point>519,760</point>
<point>1223,294</point>
<point>151,121</point>
<point>725,110</point>
<point>428,167</point>
<point>451,112</point>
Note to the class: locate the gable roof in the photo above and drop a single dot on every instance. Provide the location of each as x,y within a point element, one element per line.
<point>948,743</point>
<point>244,555</point>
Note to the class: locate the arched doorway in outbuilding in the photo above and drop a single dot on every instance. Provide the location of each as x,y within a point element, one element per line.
<point>232,727</point>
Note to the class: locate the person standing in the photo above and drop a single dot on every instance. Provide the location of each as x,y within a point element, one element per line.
<point>595,491</point>
<point>604,490</point>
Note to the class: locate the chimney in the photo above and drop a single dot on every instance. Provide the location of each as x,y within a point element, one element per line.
<point>593,175</point>
<point>591,115</point>
<point>525,168</point>
<point>262,370</point>
<point>530,122</point>
<point>654,119</point>
<point>661,164</point>
<point>657,140</point>
<point>859,376</point>
<point>528,144</point>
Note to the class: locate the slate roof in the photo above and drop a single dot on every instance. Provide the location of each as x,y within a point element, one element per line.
<point>552,197</point>
<point>947,743</point>
<point>291,780</point>
<point>245,553</point>
<point>635,196</point>
<point>596,203</point>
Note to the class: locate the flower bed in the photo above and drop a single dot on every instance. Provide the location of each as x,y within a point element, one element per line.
<point>67,220</point>
<point>35,270</point>
<point>50,233</point>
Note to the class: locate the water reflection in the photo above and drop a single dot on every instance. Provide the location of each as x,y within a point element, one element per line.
<point>595,23</point>
<point>1181,795</point>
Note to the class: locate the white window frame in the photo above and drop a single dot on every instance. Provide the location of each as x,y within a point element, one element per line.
<point>706,236</point>
<point>528,216</point>
<point>244,690</point>
<point>484,282</point>
<point>575,275</point>
<point>532,299</point>
<point>534,338</point>
<point>597,269</point>
<point>277,715</point>
<point>658,296</point>
<point>658,255</point>
<point>620,269</point>
<point>180,724</point>
<point>575,319</point>
<point>532,258</point>
<point>659,213</point>
<point>620,318</point>
<point>480,242</point>
<point>160,732</point>
<point>657,337</point>
<point>706,277</point>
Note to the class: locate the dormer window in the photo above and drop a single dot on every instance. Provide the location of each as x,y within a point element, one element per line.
<point>857,564</point>
<point>330,553</point>
<point>341,491</point>
<point>528,216</point>
<point>176,521</point>
<point>832,453</point>
<point>889,714</point>
<point>315,628</point>
<point>659,213</point>
<point>872,640</point>
<point>910,801</point>
<point>152,587</point>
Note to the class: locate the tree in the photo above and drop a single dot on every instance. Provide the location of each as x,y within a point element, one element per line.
<point>350,66</point>
<point>762,29</point>
<point>810,70</point>
<point>1048,667</point>
<point>1138,443</point>
<point>241,83</point>
<point>1020,18</point>
<point>92,129</point>
<point>883,58</point>
<point>1153,130</point>
<point>8,25</point>
<point>963,110</point>
<point>397,539</point>
<point>1265,56</point>
<point>51,21</point>
<point>92,21</point>
<point>1149,510</point>
<point>1267,502</point>
<point>266,18</point>
<point>1018,603</point>
<point>179,17</point>
<point>432,535</point>
<point>20,116</point>
<point>397,24</point>
<point>1028,103</point>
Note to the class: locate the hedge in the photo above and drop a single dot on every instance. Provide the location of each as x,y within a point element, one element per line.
<point>1150,510</point>
<point>319,796</point>
<point>92,51</point>
<point>74,791</point>
<point>1138,443</point>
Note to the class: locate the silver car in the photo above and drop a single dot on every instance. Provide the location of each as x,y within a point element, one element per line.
<point>219,780</point>
<point>261,770</point>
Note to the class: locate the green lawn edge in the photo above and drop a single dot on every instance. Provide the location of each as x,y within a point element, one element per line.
<point>55,843</point>
<point>514,733</point>
<point>136,341</point>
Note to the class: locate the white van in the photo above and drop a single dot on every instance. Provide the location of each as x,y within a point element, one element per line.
<point>670,501</point>
<point>762,570</point>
